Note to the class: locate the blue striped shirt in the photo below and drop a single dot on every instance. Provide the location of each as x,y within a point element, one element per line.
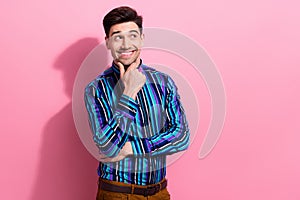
<point>154,123</point>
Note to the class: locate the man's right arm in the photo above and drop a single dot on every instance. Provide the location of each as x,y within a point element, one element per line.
<point>109,125</point>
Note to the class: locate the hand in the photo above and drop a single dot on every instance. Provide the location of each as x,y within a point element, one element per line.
<point>133,79</point>
<point>125,151</point>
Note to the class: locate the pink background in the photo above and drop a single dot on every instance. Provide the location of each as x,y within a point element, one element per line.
<point>255,45</point>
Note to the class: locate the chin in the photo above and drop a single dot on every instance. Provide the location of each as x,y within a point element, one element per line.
<point>127,62</point>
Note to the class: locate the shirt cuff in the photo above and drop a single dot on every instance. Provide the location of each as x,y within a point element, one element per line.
<point>127,106</point>
<point>141,146</point>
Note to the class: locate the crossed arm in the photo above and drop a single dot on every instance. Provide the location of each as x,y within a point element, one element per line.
<point>110,126</point>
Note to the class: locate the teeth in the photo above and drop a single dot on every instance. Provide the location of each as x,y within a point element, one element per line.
<point>126,53</point>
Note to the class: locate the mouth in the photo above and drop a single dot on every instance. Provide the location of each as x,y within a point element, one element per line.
<point>126,54</point>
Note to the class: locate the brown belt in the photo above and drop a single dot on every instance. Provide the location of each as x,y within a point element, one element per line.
<point>133,189</point>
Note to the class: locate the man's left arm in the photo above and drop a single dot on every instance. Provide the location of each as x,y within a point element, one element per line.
<point>175,138</point>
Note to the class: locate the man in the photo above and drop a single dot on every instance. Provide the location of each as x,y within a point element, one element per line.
<point>135,115</point>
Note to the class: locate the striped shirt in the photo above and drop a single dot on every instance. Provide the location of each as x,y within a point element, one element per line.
<point>154,123</point>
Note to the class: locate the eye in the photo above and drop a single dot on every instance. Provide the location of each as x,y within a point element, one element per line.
<point>133,36</point>
<point>118,37</point>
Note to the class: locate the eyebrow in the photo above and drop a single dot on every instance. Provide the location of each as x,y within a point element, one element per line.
<point>115,32</point>
<point>131,31</point>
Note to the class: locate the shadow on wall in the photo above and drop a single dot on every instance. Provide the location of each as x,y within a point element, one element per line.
<point>66,170</point>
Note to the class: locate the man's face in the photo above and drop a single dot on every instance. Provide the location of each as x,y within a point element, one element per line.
<point>125,41</point>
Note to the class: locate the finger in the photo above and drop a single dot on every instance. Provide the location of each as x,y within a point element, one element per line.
<point>122,70</point>
<point>133,65</point>
<point>115,159</point>
<point>106,160</point>
<point>102,157</point>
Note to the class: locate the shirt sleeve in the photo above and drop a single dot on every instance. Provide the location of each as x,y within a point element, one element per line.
<point>109,124</point>
<point>175,137</point>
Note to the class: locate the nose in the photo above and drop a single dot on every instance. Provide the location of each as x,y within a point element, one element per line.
<point>126,43</point>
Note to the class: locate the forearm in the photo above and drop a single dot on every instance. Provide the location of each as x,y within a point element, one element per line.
<point>109,126</point>
<point>174,140</point>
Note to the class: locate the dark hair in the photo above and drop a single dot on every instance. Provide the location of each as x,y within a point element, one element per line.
<point>120,15</point>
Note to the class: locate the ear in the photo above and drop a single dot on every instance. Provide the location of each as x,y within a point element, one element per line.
<point>142,38</point>
<point>107,43</point>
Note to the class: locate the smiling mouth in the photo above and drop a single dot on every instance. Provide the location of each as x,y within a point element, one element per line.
<point>126,54</point>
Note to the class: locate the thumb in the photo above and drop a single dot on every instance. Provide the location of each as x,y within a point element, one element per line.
<point>133,65</point>
<point>122,70</point>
